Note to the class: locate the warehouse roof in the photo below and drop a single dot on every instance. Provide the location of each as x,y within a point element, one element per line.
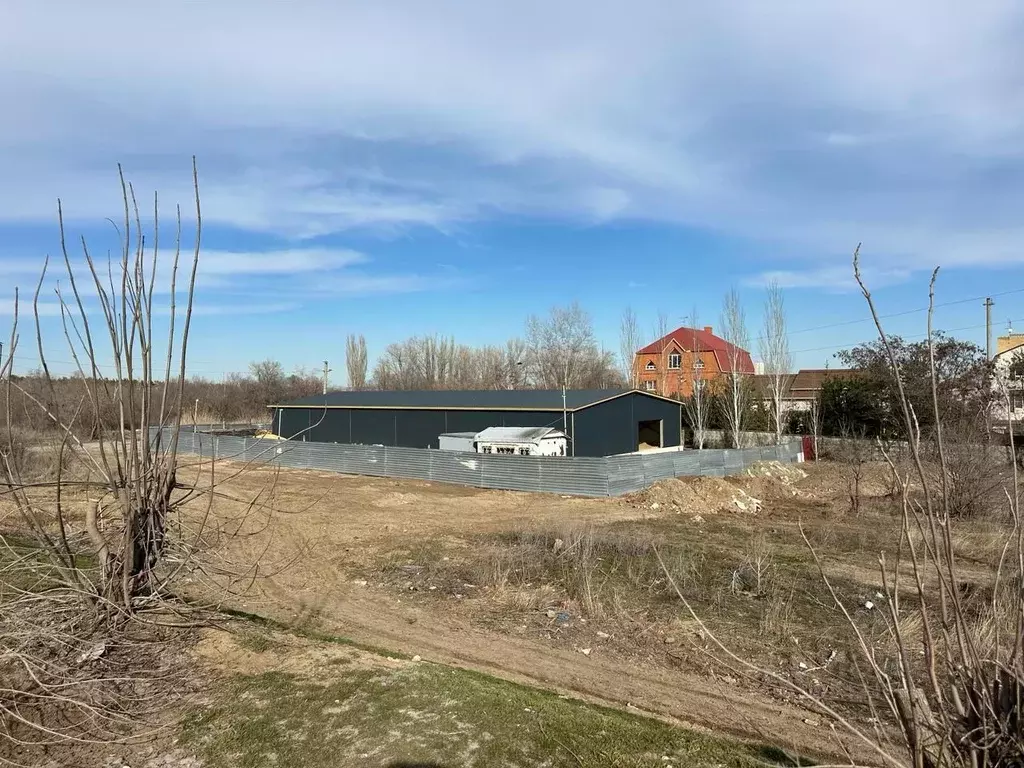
<point>478,399</point>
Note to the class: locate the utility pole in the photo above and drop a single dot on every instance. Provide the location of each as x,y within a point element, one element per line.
<point>327,370</point>
<point>988,328</point>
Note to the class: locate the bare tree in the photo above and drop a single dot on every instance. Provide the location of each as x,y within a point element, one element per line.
<point>561,345</point>
<point>559,348</point>
<point>698,404</point>
<point>817,418</point>
<point>736,395</point>
<point>629,343</point>
<point>778,363</point>
<point>270,380</point>
<point>516,355</point>
<point>355,360</point>
<point>661,330</point>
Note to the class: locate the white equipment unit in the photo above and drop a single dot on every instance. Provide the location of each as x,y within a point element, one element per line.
<point>512,441</point>
<point>457,441</point>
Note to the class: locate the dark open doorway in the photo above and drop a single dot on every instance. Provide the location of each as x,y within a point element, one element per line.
<point>650,434</point>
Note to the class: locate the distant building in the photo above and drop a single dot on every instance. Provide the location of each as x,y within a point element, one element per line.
<point>802,389</point>
<point>595,422</point>
<point>1008,366</point>
<point>672,365</point>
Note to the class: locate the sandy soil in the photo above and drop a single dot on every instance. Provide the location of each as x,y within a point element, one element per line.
<point>312,531</point>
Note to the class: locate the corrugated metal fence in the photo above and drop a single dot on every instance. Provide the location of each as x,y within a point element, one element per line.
<point>579,476</point>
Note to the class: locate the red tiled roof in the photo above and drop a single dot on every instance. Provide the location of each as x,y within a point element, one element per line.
<point>704,341</point>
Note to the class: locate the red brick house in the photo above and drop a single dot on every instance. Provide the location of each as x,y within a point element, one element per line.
<point>670,365</point>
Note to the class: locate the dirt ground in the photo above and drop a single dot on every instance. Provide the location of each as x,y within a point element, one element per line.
<point>481,579</point>
<point>347,555</point>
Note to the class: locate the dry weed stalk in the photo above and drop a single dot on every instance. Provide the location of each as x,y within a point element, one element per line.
<point>945,687</point>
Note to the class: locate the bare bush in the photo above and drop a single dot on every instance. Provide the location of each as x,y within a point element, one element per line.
<point>94,548</point>
<point>854,452</point>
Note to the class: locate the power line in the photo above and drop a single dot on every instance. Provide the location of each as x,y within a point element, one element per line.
<point>903,313</point>
<point>865,341</point>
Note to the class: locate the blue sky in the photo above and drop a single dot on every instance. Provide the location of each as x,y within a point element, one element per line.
<point>400,168</point>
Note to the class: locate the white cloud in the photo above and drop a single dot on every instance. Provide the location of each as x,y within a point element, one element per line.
<point>808,125</point>
<point>356,284</point>
<point>832,279</point>
<point>283,262</point>
<point>243,282</point>
<point>253,308</point>
<point>26,311</point>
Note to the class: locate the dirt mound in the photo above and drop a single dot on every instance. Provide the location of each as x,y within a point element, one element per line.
<point>776,470</point>
<point>773,480</point>
<point>695,496</point>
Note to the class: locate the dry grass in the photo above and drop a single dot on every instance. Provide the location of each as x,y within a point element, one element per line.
<point>751,578</point>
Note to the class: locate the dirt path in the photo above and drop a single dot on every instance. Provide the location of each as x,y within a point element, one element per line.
<point>380,619</point>
<point>323,525</point>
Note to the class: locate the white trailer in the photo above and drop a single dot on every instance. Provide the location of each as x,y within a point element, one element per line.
<point>513,441</point>
<point>522,441</point>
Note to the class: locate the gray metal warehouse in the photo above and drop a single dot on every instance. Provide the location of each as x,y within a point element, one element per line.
<point>598,422</point>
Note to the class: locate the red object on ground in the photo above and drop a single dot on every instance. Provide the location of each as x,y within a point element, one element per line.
<point>809,448</point>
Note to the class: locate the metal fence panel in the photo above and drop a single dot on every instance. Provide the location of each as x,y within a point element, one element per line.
<point>686,463</point>
<point>625,475</point>
<point>456,467</point>
<point>657,466</point>
<point>516,473</point>
<point>712,463</point>
<point>407,462</point>
<point>582,476</point>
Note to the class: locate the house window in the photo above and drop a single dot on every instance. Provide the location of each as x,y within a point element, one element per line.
<point>674,361</point>
<point>650,386</point>
<point>524,451</point>
<point>506,449</point>
<point>1017,400</point>
<point>486,449</point>
<point>650,365</point>
<point>698,364</point>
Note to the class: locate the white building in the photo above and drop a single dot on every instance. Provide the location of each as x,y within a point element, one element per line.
<point>1008,367</point>
<point>514,441</point>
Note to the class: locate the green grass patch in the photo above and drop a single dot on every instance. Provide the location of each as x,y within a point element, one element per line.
<point>426,714</point>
